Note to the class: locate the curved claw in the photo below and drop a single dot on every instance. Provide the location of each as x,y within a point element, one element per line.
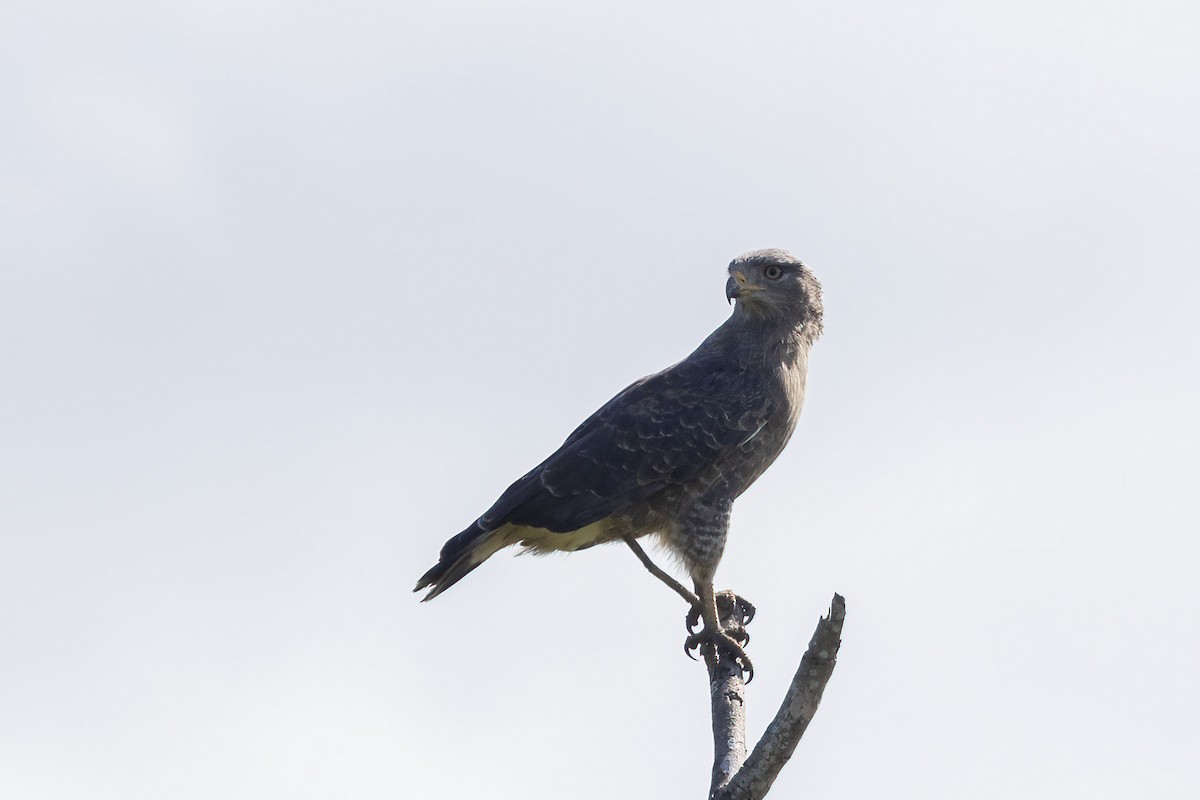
<point>724,643</point>
<point>739,605</point>
<point>744,664</point>
<point>692,619</point>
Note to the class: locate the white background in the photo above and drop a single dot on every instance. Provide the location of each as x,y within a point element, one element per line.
<point>290,293</point>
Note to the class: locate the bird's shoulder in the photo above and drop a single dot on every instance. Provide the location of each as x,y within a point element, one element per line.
<point>713,392</point>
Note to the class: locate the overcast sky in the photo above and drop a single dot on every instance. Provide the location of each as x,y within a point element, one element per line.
<point>289,295</point>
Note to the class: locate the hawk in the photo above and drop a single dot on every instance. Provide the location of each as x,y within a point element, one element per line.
<point>669,454</point>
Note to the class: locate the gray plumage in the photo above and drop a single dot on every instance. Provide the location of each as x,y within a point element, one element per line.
<point>670,453</point>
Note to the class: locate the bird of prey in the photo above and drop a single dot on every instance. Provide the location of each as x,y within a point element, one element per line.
<point>670,453</point>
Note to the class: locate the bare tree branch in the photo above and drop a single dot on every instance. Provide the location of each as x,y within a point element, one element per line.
<point>736,777</point>
<point>727,690</point>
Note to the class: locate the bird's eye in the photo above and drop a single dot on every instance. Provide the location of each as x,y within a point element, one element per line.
<point>773,272</point>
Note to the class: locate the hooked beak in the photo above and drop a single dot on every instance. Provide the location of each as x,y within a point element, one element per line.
<point>734,286</point>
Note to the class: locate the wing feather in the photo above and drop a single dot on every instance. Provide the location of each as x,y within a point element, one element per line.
<point>661,431</point>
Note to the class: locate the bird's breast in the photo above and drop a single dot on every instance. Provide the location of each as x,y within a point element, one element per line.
<point>767,439</point>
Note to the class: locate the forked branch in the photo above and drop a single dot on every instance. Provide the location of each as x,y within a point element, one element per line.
<point>736,777</point>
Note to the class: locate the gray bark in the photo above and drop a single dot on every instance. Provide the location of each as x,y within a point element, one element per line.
<point>727,692</point>
<point>734,776</point>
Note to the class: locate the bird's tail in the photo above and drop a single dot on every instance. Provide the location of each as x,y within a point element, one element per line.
<point>460,555</point>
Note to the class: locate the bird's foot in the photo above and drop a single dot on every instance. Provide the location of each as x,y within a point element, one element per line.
<point>730,639</point>
<point>731,609</point>
<point>722,644</point>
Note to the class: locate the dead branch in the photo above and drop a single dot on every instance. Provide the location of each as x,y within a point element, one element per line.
<point>734,776</point>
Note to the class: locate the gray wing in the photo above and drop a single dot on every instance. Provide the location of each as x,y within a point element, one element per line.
<point>661,431</point>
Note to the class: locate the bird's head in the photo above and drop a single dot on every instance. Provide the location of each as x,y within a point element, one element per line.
<point>773,286</point>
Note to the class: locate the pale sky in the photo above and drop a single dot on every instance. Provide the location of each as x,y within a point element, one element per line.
<point>289,295</point>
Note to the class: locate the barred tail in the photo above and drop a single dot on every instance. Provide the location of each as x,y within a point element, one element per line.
<point>460,555</point>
